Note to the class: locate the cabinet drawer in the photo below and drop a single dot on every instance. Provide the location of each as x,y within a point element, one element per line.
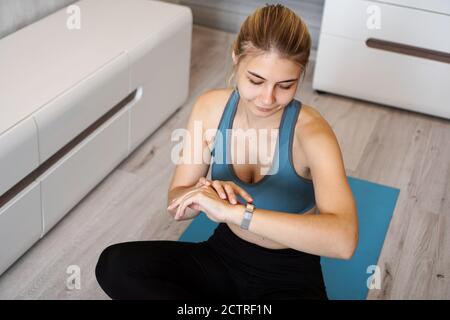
<point>74,175</point>
<point>423,29</point>
<point>69,114</point>
<point>405,82</point>
<point>438,6</point>
<point>18,154</point>
<point>20,225</point>
<point>166,87</point>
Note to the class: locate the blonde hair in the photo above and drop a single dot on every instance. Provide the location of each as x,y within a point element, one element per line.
<point>273,28</point>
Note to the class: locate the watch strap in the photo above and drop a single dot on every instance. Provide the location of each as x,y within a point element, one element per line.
<point>248,214</point>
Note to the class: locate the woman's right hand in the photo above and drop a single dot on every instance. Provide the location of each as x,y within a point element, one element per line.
<point>226,189</point>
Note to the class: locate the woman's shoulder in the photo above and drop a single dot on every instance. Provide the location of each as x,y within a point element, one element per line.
<point>315,137</point>
<point>211,104</point>
<point>311,124</point>
<point>216,96</point>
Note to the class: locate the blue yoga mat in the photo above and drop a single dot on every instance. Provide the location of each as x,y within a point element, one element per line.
<point>344,279</point>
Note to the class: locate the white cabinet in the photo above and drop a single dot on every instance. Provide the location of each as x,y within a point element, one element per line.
<point>167,83</point>
<point>20,225</point>
<point>75,103</point>
<point>19,154</point>
<point>404,63</point>
<point>69,114</point>
<point>69,180</point>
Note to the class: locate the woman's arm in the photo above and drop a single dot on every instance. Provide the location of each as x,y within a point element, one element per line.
<point>324,234</point>
<point>334,231</point>
<point>187,171</point>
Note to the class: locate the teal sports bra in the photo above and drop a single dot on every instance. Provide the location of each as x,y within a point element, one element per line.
<point>281,189</point>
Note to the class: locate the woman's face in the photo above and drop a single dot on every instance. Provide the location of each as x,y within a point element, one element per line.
<point>266,83</point>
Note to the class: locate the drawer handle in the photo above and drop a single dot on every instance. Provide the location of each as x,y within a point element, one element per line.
<point>408,50</point>
<point>133,97</point>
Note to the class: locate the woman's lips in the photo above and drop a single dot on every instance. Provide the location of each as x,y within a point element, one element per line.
<point>263,109</point>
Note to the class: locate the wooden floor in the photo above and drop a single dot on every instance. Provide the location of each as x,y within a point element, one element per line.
<point>385,145</point>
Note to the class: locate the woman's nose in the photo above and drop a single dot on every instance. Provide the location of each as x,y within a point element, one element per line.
<point>268,97</point>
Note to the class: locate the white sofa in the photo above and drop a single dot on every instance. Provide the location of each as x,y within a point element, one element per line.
<point>75,103</point>
<point>394,52</point>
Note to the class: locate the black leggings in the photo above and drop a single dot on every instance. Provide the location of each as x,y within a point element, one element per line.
<point>223,267</point>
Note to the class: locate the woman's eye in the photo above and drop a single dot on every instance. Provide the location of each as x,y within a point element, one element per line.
<point>258,83</point>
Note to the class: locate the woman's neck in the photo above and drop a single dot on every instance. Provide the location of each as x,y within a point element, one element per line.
<point>250,120</point>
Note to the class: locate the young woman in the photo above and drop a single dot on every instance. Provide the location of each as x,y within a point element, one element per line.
<point>275,219</point>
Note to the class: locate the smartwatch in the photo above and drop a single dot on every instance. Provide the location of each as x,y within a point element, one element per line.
<point>248,214</point>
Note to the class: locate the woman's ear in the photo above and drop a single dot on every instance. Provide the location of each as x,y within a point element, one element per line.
<point>233,56</point>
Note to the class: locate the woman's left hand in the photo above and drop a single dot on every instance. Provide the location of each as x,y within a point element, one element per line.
<point>205,199</point>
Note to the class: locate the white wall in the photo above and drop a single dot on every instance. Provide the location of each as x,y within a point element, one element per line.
<point>228,15</point>
<point>16,14</point>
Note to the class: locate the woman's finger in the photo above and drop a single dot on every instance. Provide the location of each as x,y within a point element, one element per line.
<point>182,208</point>
<point>180,201</point>
<point>244,194</point>
<point>176,202</point>
<point>205,181</point>
<point>178,213</point>
<point>199,183</point>
<point>202,181</point>
<point>173,204</point>
<point>218,186</point>
<point>231,194</point>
